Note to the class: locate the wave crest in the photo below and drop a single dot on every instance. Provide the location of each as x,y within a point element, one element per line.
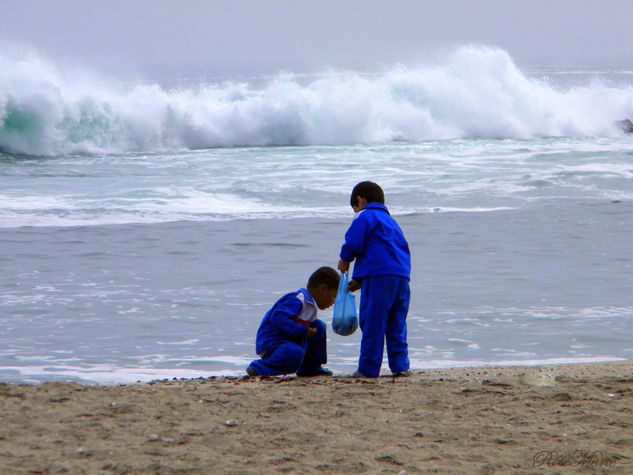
<point>477,92</point>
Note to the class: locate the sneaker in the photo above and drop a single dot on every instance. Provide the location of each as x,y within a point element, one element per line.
<point>321,371</point>
<point>251,372</point>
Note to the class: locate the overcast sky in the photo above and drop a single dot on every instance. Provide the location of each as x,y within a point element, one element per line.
<point>325,32</point>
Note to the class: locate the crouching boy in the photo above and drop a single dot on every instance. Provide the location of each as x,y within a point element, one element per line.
<point>290,338</point>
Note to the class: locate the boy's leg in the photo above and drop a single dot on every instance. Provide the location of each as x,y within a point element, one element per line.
<point>316,350</point>
<point>396,332</point>
<point>285,358</point>
<point>374,309</point>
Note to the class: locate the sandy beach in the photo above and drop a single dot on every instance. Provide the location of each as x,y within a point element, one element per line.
<point>554,419</point>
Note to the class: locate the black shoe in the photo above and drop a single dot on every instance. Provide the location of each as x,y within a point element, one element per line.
<point>358,374</point>
<point>251,372</point>
<point>402,374</point>
<point>319,372</point>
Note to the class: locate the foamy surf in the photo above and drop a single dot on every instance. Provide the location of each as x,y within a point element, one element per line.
<point>106,374</point>
<point>476,92</point>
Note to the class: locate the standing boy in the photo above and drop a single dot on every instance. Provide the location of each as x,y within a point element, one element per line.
<point>290,338</point>
<point>381,271</point>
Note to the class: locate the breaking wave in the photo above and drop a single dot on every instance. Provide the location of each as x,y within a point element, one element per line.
<point>476,92</point>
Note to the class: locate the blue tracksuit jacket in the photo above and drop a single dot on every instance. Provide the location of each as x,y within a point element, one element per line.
<point>377,243</point>
<point>288,319</point>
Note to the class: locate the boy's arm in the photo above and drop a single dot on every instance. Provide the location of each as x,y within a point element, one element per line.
<point>283,317</point>
<point>355,240</point>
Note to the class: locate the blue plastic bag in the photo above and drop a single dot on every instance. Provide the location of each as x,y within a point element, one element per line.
<point>344,319</point>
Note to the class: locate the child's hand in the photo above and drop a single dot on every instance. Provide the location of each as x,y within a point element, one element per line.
<point>343,266</point>
<point>311,332</point>
<point>353,286</point>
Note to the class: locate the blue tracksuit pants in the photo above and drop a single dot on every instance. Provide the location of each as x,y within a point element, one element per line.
<point>303,357</point>
<point>382,316</point>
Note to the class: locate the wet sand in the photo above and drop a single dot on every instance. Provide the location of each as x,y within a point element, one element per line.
<point>555,419</point>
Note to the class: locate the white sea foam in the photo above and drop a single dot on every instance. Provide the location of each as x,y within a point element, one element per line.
<point>107,374</point>
<point>418,364</point>
<point>161,204</point>
<point>104,374</point>
<point>193,341</point>
<point>477,92</point>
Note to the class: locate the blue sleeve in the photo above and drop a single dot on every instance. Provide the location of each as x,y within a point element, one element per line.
<point>282,317</point>
<point>356,238</point>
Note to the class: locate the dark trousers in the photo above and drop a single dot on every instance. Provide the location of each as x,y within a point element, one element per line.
<point>303,357</point>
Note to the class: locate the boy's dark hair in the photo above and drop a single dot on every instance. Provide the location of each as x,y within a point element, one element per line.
<point>368,190</point>
<point>324,275</point>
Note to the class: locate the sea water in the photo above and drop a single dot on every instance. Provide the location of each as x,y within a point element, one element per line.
<point>146,226</point>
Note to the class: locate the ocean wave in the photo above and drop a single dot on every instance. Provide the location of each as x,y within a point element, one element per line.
<point>476,92</point>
